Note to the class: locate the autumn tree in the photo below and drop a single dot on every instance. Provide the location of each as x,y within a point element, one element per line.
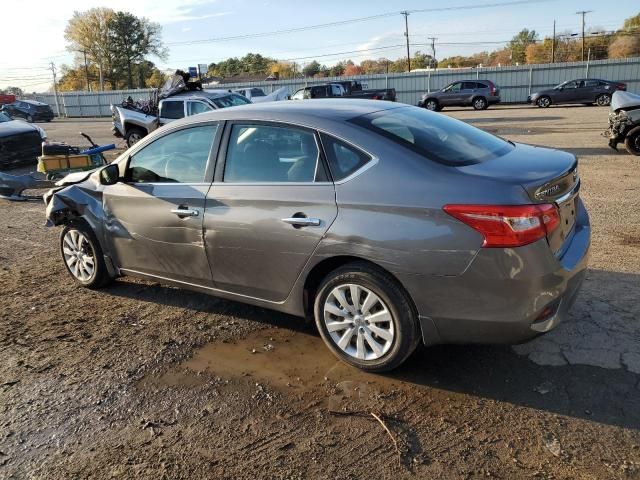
<point>627,40</point>
<point>351,69</point>
<point>519,44</point>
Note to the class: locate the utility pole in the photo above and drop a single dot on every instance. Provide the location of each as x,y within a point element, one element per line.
<point>406,34</point>
<point>86,70</point>
<point>55,87</point>
<point>553,44</point>
<point>583,13</point>
<point>433,50</point>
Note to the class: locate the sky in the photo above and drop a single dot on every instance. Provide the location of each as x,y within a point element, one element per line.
<point>39,39</point>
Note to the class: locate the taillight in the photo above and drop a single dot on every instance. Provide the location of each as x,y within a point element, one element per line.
<point>508,225</point>
<point>622,86</point>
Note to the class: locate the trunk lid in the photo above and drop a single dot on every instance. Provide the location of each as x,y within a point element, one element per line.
<point>547,175</point>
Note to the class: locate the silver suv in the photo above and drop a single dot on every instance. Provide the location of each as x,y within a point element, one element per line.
<point>476,93</point>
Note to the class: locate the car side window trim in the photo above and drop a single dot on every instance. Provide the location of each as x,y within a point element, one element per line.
<point>211,159</point>
<point>321,170</point>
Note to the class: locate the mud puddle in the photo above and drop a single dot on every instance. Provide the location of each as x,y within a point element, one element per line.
<point>290,362</point>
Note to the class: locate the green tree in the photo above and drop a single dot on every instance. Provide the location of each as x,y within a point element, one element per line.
<point>132,39</point>
<point>311,69</point>
<point>519,44</point>
<point>337,70</point>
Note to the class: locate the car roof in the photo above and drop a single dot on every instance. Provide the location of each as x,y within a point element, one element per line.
<point>327,109</point>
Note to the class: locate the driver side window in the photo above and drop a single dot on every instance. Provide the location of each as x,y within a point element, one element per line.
<point>179,157</point>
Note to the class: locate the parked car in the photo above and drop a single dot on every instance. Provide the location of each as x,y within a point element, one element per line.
<point>338,90</point>
<point>583,90</point>
<point>20,142</point>
<point>257,95</point>
<point>5,99</point>
<point>624,122</point>
<point>476,93</point>
<point>388,224</point>
<point>133,125</point>
<point>30,110</point>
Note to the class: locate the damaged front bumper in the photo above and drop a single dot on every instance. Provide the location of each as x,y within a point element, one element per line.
<point>618,123</point>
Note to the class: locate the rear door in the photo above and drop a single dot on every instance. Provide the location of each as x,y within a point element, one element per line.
<point>155,216</point>
<point>268,208</point>
<point>467,92</point>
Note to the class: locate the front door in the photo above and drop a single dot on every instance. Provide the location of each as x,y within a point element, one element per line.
<point>269,206</point>
<point>570,93</point>
<point>154,218</point>
<point>452,95</point>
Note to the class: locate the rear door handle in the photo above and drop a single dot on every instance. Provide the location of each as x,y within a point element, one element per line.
<point>185,212</point>
<point>302,221</point>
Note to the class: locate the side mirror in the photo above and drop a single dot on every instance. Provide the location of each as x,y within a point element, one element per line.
<point>110,174</point>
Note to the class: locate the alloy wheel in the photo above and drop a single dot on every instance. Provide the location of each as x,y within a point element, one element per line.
<point>544,102</point>
<point>359,322</point>
<point>432,105</point>
<point>133,139</point>
<point>78,255</point>
<point>603,100</point>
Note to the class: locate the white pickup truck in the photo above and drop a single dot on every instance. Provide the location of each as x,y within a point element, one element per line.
<point>132,125</point>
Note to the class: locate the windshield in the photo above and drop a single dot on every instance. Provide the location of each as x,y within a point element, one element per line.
<point>4,117</point>
<point>435,136</point>
<point>232,100</point>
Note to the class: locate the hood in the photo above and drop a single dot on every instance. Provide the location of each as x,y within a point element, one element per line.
<point>624,100</point>
<point>15,127</point>
<point>75,177</point>
<point>544,173</point>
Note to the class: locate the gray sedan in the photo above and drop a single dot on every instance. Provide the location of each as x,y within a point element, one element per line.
<point>390,225</point>
<point>584,90</point>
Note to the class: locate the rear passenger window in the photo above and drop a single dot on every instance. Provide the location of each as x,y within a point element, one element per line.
<point>470,86</point>
<point>343,158</point>
<point>173,110</point>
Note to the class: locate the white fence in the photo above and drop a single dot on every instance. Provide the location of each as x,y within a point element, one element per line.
<point>515,82</point>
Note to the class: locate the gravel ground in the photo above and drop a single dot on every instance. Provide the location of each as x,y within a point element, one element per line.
<point>141,380</point>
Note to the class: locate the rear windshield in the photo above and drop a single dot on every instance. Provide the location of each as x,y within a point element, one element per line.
<point>435,136</point>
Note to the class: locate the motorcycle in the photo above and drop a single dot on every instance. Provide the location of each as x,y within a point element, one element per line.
<point>624,122</point>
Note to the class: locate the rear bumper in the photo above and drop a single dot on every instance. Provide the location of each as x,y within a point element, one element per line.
<point>493,100</point>
<point>499,299</point>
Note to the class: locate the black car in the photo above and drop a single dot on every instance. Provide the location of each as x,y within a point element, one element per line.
<point>20,143</point>
<point>581,90</point>
<point>30,110</point>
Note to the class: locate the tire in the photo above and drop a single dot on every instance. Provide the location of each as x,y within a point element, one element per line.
<point>78,240</point>
<point>374,346</point>
<point>134,135</point>
<point>544,102</point>
<point>29,119</point>
<point>603,100</point>
<point>432,104</point>
<point>480,103</point>
<point>632,142</point>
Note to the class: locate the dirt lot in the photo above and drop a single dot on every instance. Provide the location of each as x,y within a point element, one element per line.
<point>140,380</point>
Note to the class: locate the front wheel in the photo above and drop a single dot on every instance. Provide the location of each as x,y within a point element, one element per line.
<point>603,100</point>
<point>133,136</point>
<point>544,102</point>
<point>365,318</point>
<point>82,256</point>
<point>432,104</point>
<point>632,142</point>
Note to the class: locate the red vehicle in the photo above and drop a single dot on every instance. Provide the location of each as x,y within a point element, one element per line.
<point>6,99</point>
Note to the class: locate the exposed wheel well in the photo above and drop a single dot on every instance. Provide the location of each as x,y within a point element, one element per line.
<point>322,269</point>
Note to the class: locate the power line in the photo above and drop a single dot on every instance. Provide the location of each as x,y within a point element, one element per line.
<point>352,20</point>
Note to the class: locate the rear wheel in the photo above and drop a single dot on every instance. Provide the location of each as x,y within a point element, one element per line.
<point>82,255</point>
<point>433,105</point>
<point>603,100</point>
<point>543,102</point>
<point>480,103</point>
<point>134,135</point>
<point>632,142</point>
<point>365,318</point>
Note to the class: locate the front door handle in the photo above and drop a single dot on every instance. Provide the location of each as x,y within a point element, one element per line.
<point>185,212</point>
<point>302,221</point>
